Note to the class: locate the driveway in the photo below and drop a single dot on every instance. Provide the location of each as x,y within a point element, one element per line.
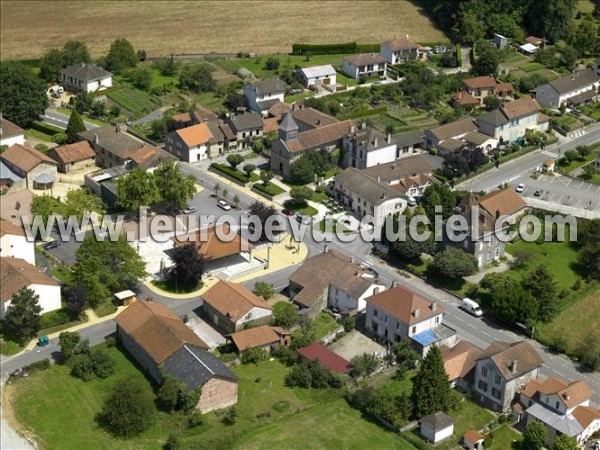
<point>205,332</point>
<point>354,344</point>
<point>154,115</point>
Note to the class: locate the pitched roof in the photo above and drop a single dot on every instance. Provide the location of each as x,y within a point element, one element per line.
<point>25,157</point>
<point>318,71</point>
<point>585,415</point>
<point>288,123</point>
<point>363,59</point>
<point>366,186</point>
<point>502,202</point>
<point>116,142</point>
<point>504,353</point>
<point>279,109</point>
<point>208,243</point>
<point>404,304</point>
<point>86,72</point>
<point>194,366</point>
<point>268,86</point>
<point>460,359</point>
<point>248,121</point>
<point>369,138</point>
<point>156,329</point>
<point>233,300</point>
<point>7,227</point>
<point>480,82</point>
<point>504,88</point>
<point>144,155</point>
<point>182,117</point>
<point>453,129</point>
<point>533,40</point>
<point>325,357</point>
<point>563,423</point>
<point>72,153</point>
<point>9,129</point>
<point>400,44</point>
<point>573,82</point>
<point>493,117</point>
<point>473,436</point>
<point>409,138</point>
<point>204,115</point>
<point>195,135</point>
<point>317,272</point>
<point>571,394</point>
<point>270,124</point>
<point>437,421</point>
<point>318,137</point>
<point>476,138</point>
<point>255,337</point>
<point>16,273</point>
<point>464,98</point>
<point>397,170</point>
<point>519,108</point>
<point>313,117</point>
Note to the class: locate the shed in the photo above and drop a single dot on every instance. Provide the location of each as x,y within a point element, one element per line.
<point>528,48</point>
<point>124,298</point>
<point>437,427</point>
<point>244,73</point>
<point>473,440</point>
<point>500,41</point>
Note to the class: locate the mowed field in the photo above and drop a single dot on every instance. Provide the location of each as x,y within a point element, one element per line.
<point>29,28</point>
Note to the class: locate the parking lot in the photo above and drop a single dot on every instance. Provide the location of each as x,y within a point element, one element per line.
<point>561,190</point>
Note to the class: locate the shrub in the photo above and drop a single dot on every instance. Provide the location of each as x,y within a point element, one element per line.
<point>55,318</point>
<point>195,419</point>
<point>230,416</point>
<point>348,323</point>
<point>281,406</point>
<point>231,172</point>
<point>254,355</point>
<point>264,290</point>
<point>130,408</point>
<point>37,366</point>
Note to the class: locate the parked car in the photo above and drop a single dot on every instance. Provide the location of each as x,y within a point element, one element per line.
<point>224,205</point>
<point>520,187</point>
<point>538,192</point>
<point>189,210</point>
<point>471,307</point>
<point>411,201</point>
<point>51,245</point>
<point>288,212</point>
<point>304,220</point>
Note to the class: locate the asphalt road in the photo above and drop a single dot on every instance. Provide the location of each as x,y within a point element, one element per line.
<point>524,166</point>
<point>60,120</point>
<point>479,331</point>
<point>561,189</point>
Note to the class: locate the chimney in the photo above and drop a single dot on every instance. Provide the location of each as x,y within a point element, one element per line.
<point>96,138</point>
<point>389,138</point>
<point>379,179</point>
<point>364,125</point>
<point>513,366</point>
<point>375,142</point>
<point>352,129</point>
<point>376,290</point>
<point>416,312</point>
<point>433,306</point>
<point>325,248</point>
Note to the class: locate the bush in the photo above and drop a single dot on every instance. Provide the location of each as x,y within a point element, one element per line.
<point>195,419</point>
<point>254,356</point>
<point>37,366</point>
<point>348,323</point>
<point>55,318</point>
<point>130,408</point>
<point>281,406</point>
<point>231,172</point>
<point>325,49</point>
<point>264,290</point>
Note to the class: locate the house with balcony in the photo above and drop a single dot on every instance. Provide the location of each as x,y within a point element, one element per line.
<point>399,313</point>
<point>364,65</point>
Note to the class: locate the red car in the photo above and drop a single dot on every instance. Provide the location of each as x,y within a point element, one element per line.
<point>288,212</point>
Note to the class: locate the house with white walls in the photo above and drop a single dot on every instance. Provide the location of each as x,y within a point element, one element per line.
<point>86,77</point>
<point>576,88</point>
<point>11,133</point>
<point>14,243</point>
<point>265,93</point>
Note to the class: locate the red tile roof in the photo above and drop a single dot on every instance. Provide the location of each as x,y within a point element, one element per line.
<point>210,246</point>
<point>325,357</point>
<point>195,135</point>
<point>233,300</point>
<point>405,305</point>
<point>72,153</point>
<point>16,273</point>
<point>25,157</point>
<point>480,82</point>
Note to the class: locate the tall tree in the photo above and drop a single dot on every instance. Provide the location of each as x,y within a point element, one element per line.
<point>188,266</point>
<point>137,189</point>
<point>121,56</point>
<point>175,188</point>
<point>550,18</point>
<point>535,436</point>
<point>105,267</point>
<point>51,64</point>
<point>198,79</point>
<point>262,212</point>
<point>542,286</point>
<point>129,410</point>
<point>234,160</point>
<point>565,442</point>
<point>76,300</point>
<point>454,263</point>
<point>22,320</point>
<point>486,58</point>
<point>431,388</point>
<point>74,52</point>
<point>68,342</point>
<point>81,202</point>
<point>438,194</point>
<point>301,194</point>
<point>508,300</point>
<point>23,94</point>
<point>74,127</point>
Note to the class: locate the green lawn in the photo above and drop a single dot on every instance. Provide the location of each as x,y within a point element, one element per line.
<point>9,348</point>
<point>270,189</point>
<point>334,425</point>
<point>301,208</point>
<point>63,274</point>
<point>592,110</point>
<point>210,100</point>
<point>136,101</point>
<point>257,65</point>
<point>503,438</point>
<point>323,325</point>
<point>293,98</point>
<point>42,131</point>
<point>568,123</point>
<point>530,67</point>
<point>105,308</point>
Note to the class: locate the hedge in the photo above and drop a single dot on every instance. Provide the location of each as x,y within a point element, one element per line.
<point>366,113</point>
<point>54,318</point>
<point>45,128</point>
<point>234,173</point>
<point>458,56</point>
<point>325,49</point>
<point>369,48</point>
<point>270,189</point>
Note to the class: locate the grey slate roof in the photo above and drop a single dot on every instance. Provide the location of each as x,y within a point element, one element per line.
<point>494,117</point>
<point>86,72</point>
<point>269,86</point>
<point>366,187</point>
<point>409,138</point>
<point>7,174</point>
<point>288,123</point>
<point>437,421</point>
<point>245,122</point>
<point>575,81</point>
<point>396,170</point>
<point>194,367</point>
<point>115,142</point>
<point>565,423</point>
<point>266,104</point>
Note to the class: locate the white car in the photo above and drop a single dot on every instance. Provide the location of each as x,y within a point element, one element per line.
<point>411,201</point>
<point>224,205</point>
<point>520,187</point>
<point>189,210</point>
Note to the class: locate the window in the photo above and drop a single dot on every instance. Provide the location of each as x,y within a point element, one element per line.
<point>484,372</point>
<point>397,325</point>
<point>483,385</point>
<point>375,312</point>
<point>385,320</point>
<point>497,379</point>
<point>496,393</point>
<point>557,404</point>
<point>437,319</point>
<point>414,329</point>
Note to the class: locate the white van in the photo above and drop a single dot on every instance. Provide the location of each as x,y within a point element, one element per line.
<point>471,307</point>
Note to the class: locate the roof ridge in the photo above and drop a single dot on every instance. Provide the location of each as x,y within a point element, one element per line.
<point>198,359</point>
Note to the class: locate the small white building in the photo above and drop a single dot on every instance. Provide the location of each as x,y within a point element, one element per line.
<point>364,65</point>
<point>437,427</point>
<point>265,93</point>
<point>14,243</point>
<point>10,133</point>
<point>528,49</point>
<point>317,76</point>
<point>16,273</point>
<point>86,77</point>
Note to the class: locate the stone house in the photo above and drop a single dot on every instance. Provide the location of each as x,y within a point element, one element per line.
<point>164,346</point>
<point>112,147</point>
<point>73,157</point>
<point>247,128</point>
<point>231,307</point>
<point>399,313</point>
<point>500,371</point>
<point>578,88</point>
<point>86,77</point>
<point>459,363</point>
<point>38,170</point>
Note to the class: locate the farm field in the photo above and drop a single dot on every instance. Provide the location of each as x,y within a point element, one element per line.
<point>260,27</point>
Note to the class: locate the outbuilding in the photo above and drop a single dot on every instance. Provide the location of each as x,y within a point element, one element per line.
<point>317,76</point>
<point>437,427</point>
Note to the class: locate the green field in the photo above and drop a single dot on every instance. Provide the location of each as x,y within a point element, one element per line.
<point>270,189</point>
<point>530,67</point>
<point>136,101</point>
